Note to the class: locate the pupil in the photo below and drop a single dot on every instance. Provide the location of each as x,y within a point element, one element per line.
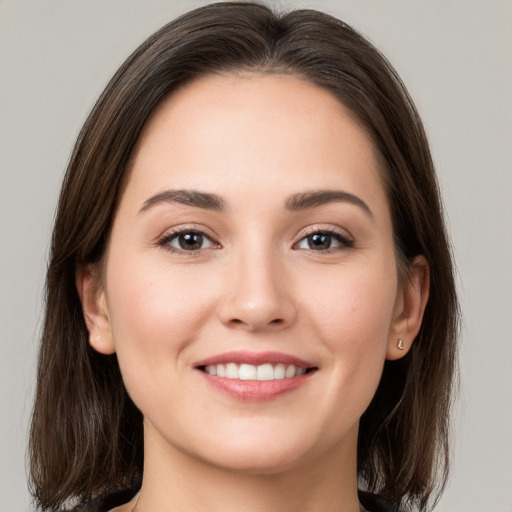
<point>319,241</point>
<point>190,241</point>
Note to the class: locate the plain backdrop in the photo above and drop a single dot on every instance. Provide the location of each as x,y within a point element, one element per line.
<point>456,59</point>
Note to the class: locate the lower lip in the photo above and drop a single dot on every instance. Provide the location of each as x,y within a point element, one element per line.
<point>256,390</point>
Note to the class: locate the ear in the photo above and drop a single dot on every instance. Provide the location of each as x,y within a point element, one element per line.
<point>410,306</point>
<point>95,309</point>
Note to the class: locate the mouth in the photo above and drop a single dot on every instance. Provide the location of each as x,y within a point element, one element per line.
<point>262,372</point>
<point>256,376</point>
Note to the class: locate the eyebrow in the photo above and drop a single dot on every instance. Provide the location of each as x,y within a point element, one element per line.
<point>187,197</point>
<point>316,198</point>
<point>296,202</point>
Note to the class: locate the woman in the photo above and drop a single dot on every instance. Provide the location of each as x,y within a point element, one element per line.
<point>250,300</point>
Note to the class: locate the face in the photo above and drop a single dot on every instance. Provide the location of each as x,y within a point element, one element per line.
<point>250,286</point>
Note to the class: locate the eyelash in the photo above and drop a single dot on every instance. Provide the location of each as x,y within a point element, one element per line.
<point>345,240</point>
<point>168,237</point>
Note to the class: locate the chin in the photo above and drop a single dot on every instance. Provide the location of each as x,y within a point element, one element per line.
<point>271,452</point>
<point>257,461</point>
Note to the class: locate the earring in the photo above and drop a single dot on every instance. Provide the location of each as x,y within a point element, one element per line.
<point>400,344</point>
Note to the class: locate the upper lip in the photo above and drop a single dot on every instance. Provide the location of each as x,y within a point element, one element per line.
<point>254,358</point>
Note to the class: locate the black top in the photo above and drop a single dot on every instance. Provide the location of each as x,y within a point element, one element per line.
<point>104,503</point>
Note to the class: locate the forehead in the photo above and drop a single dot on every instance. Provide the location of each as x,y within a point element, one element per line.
<point>250,133</point>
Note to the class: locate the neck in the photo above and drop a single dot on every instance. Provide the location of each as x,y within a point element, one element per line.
<point>178,482</point>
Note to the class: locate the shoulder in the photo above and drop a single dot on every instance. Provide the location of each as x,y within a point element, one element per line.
<point>376,503</point>
<point>105,502</point>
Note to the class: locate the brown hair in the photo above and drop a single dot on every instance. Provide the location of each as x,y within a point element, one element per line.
<point>86,434</point>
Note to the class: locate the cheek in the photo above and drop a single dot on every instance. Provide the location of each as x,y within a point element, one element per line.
<point>352,305</point>
<point>352,312</point>
<point>156,312</point>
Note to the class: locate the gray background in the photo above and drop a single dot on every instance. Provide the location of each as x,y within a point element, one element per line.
<point>455,57</point>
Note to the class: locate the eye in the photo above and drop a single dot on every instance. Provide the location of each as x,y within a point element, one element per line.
<point>324,240</point>
<point>187,240</point>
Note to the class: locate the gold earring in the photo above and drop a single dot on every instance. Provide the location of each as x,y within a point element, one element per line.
<point>400,344</point>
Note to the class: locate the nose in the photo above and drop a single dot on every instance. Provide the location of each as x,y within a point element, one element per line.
<point>258,294</point>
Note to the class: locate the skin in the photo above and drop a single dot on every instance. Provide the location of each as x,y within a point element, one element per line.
<point>256,285</point>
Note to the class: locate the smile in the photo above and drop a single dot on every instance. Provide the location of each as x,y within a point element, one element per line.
<point>261,372</point>
<point>256,376</point>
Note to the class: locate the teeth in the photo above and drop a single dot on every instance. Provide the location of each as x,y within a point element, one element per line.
<point>279,371</point>
<point>264,372</point>
<point>245,371</point>
<point>290,372</point>
<point>232,371</point>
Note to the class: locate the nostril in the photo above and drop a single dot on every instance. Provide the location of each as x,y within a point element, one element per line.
<point>276,321</point>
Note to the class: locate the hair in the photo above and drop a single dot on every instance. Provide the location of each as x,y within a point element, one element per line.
<point>86,434</point>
